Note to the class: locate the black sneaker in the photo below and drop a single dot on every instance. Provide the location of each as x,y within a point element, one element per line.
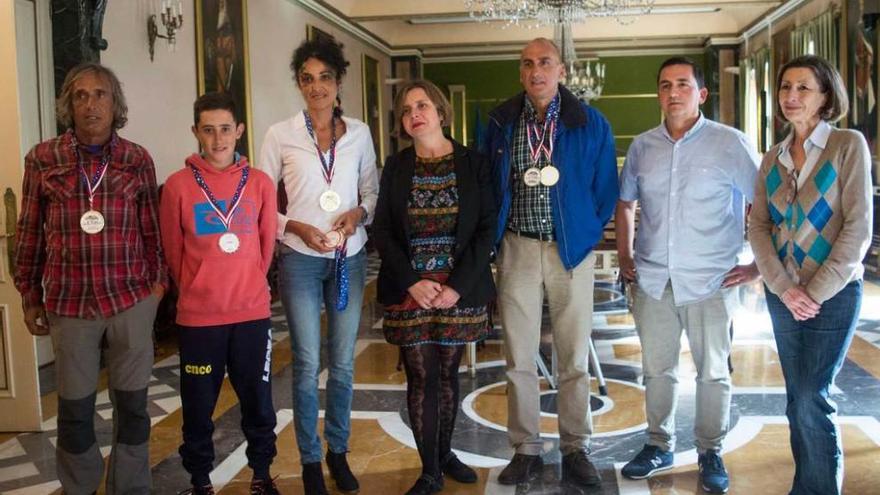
<point>649,461</point>
<point>713,476</point>
<point>264,487</point>
<point>313,479</point>
<point>578,469</point>
<point>457,470</point>
<point>341,473</point>
<point>426,485</point>
<point>522,469</point>
<point>198,490</point>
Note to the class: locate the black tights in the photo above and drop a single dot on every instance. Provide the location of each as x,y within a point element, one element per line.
<point>432,399</point>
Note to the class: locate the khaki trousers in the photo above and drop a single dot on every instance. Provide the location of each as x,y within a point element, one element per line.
<point>129,358</point>
<point>529,269</point>
<point>707,324</point>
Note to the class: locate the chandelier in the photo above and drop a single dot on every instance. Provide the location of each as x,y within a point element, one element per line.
<point>533,13</point>
<point>583,79</point>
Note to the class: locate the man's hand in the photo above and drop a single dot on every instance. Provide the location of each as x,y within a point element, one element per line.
<point>446,298</point>
<point>424,291</point>
<point>627,267</point>
<point>741,274</point>
<point>35,319</point>
<point>349,221</point>
<point>801,305</point>
<point>158,290</point>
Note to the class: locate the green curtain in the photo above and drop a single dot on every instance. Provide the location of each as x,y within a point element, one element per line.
<point>757,93</point>
<point>824,35</point>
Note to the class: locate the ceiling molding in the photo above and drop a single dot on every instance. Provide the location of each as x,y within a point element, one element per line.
<point>658,9</point>
<point>770,19</point>
<point>321,9</point>
<point>582,54</point>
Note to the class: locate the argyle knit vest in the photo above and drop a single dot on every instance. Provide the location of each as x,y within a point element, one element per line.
<point>804,231</point>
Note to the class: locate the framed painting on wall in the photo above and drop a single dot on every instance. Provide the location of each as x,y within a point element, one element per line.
<point>863,20</point>
<point>222,56</point>
<point>313,33</point>
<point>372,97</point>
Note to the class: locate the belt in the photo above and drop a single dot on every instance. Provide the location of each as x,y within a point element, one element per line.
<point>539,236</point>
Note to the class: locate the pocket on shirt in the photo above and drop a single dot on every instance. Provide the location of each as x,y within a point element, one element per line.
<point>59,187</point>
<point>123,185</point>
<point>706,182</point>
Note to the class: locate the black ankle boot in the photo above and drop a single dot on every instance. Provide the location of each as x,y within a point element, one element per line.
<point>457,470</point>
<point>426,485</point>
<point>313,479</point>
<point>341,473</point>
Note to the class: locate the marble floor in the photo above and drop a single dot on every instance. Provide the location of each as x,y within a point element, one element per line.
<point>382,449</point>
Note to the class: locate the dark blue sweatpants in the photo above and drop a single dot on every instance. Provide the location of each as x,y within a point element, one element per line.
<point>244,350</point>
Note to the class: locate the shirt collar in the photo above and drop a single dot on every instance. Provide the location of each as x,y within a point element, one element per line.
<point>699,124</point>
<point>530,114</point>
<point>819,138</point>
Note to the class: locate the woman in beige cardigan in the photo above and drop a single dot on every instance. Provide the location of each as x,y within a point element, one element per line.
<point>810,227</point>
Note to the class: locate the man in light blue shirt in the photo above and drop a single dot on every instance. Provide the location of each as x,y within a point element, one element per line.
<point>692,178</point>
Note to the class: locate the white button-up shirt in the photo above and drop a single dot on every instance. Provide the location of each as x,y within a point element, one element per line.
<point>813,147</point>
<point>289,153</point>
<point>692,194</point>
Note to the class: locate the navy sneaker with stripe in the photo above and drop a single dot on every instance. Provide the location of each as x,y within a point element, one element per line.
<point>649,461</point>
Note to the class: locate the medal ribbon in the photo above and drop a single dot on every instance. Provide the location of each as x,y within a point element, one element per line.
<point>326,164</point>
<point>342,282</point>
<point>93,184</point>
<point>339,258</point>
<point>226,218</point>
<point>542,142</point>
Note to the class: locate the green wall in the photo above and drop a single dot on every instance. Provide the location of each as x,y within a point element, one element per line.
<point>628,98</point>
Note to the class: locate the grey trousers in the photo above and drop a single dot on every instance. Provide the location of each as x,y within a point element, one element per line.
<point>707,324</point>
<point>129,358</point>
<point>527,269</point>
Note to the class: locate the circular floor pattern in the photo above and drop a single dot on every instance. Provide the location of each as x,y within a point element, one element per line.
<point>621,412</point>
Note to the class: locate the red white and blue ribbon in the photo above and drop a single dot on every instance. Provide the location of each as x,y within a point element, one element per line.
<point>225,217</point>
<point>328,163</point>
<point>93,184</point>
<point>541,138</point>
<point>327,167</point>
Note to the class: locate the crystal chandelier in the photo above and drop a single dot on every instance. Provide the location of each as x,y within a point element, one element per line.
<point>533,13</point>
<point>583,79</point>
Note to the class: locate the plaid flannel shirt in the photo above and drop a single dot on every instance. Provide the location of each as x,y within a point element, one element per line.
<point>530,210</point>
<point>82,275</point>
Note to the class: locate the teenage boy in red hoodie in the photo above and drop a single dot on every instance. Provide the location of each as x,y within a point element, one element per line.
<point>218,219</point>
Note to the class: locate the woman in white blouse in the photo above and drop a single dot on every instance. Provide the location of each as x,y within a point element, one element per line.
<point>328,168</point>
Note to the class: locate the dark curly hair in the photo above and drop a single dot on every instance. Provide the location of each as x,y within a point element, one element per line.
<point>327,51</point>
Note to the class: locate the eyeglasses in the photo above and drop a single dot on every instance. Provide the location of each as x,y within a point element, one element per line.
<point>791,194</point>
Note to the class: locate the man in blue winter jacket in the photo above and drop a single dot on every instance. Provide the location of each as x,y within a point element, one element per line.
<point>556,182</point>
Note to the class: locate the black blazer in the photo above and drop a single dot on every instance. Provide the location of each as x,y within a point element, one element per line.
<point>471,276</point>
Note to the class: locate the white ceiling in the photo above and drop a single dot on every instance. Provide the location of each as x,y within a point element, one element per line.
<point>440,28</point>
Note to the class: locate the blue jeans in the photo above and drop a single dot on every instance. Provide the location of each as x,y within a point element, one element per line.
<point>811,353</point>
<point>307,282</point>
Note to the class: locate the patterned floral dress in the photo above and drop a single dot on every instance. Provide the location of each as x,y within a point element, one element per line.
<point>433,212</point>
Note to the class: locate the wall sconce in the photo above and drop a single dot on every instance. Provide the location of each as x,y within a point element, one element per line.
<point>171,15</point>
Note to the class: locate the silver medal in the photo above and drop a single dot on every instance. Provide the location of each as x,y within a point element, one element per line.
<point>549,175</point>
<point>330,201</point>
<point>532,176</point>
<point>92,222</point>
<point>229,243</point>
